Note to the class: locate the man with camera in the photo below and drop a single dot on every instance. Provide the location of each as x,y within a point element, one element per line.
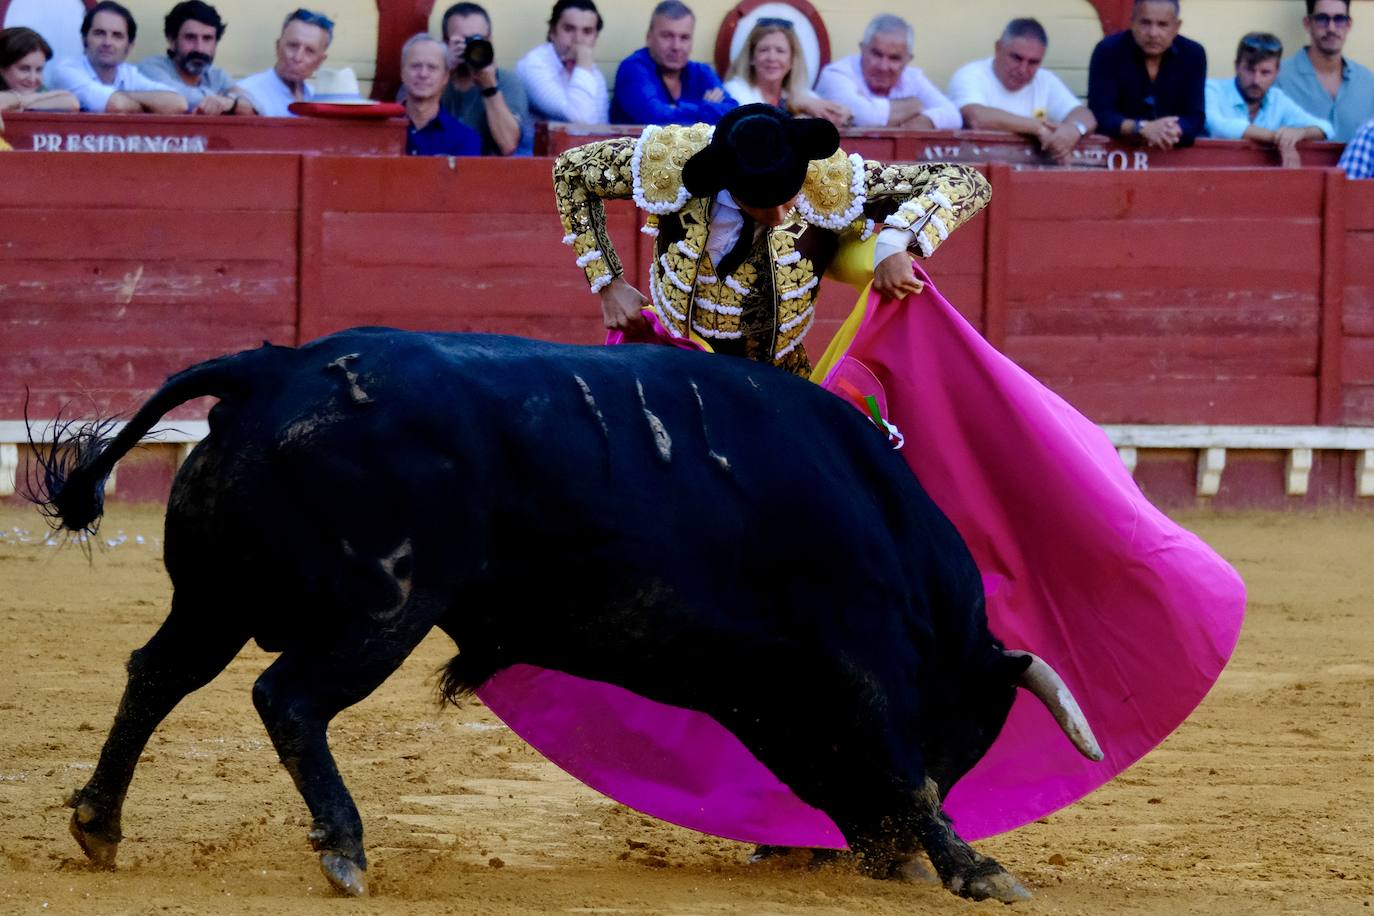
<point>480,94</point>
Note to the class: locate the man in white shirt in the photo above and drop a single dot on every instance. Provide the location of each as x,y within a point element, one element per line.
<point>302,47</point>
<point>880,87</point>
<point>1009,91</point>
<point>560,76</point>
<point>101,79</point>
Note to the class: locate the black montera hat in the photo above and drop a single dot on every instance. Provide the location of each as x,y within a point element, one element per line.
<point>759,155</point>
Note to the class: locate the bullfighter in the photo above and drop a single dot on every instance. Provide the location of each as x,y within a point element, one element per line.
<point>746,221</point>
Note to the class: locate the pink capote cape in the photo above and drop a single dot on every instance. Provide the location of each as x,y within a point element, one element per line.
<point>1138,615</point>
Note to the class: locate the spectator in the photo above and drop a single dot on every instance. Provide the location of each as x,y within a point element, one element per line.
<point>193,29</point>
<point>432,131</point>
<point>1321,79</point>
<point>489,99</point>
<point>58,22</point>
<point>1358,158</point>
<point>1251,106</point>
<point>1009,91</point>
<point>879,87</point>
<point>560,76</point>
<point>23,52</point>
<point>660,84</point>
<point>770,69</point>
<point>301,48</point>
<point>1146,83</point>
<point>101,79</point>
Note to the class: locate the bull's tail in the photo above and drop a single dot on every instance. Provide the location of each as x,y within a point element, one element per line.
<point>67,481</point>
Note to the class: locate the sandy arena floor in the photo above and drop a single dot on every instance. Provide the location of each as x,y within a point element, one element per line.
<point>1263,802</point>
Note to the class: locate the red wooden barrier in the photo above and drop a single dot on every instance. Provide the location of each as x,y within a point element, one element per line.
<point>103,133</point>
<point>1169,297</point>
<point>460,245</point>
<point>117,271</point>
<point>1200,296</point>
<point>1357,355</point>
<point>984,146</point>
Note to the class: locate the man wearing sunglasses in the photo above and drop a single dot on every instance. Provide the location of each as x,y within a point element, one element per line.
<point>1250,106</point>
<point>1321,79</point>
<point>301,49</point>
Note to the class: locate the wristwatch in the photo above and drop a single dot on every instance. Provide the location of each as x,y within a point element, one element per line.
<point>1082,128</point>
<point>490,91</point>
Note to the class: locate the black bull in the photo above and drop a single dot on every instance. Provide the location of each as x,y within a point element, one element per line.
<point>705,531</point>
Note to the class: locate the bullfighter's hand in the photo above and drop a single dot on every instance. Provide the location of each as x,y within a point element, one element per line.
<point>895,278</point>
<point>621,304</point>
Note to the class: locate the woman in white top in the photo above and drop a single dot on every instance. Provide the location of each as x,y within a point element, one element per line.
<point>770,69</point>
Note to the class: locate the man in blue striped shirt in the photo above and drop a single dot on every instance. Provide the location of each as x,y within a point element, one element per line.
<point>1251,106</point>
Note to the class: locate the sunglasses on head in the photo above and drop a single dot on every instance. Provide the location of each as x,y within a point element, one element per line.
<point>1339,20</point>
<point>771,22</point>
<point>313,18</point>
<point>1265,43</point>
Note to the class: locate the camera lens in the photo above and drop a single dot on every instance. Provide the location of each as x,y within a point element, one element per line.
<point>478,52</point>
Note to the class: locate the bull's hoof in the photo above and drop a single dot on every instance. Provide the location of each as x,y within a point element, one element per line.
<point>914,870</point>
<point>100,846</point>
<point>345,874</point>
<point>993,885</point>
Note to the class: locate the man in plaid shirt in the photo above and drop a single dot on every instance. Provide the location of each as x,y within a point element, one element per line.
<point>1358,158</point>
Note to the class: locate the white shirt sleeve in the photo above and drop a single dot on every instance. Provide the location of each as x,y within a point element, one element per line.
<point>941,111</point>
<point>588,100</point>
<point>890,241</point>
<point>966,87</point>
<point>1061,101</point>
<point>579,99</point>
<point>131,79</point>
<point>839,84</point>
<point>72,75</point>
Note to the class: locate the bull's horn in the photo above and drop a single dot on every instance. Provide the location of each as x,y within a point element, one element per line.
<point>1049,688</point>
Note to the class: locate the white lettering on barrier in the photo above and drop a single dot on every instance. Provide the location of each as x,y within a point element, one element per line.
<point>1118,156</point>
<point>111,143</point>
<point>1142,160</point>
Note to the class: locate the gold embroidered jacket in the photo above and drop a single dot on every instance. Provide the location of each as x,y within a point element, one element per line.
<point>843,196</point>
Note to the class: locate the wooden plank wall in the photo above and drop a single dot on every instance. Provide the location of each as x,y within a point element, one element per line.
<point>452,245</point>
<point>117,271</point>
<point>1208,296</point>
<point>1168,297</point>
<point>1357,363</point>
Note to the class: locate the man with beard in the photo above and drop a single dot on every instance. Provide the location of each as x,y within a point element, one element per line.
<point>302,47</point>
<point>1252,107</point>
<point>1321,79</point>
<point>1146,84</point>
<point>101,79</point>
<point>194,29</point>
<point>489,99</point>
